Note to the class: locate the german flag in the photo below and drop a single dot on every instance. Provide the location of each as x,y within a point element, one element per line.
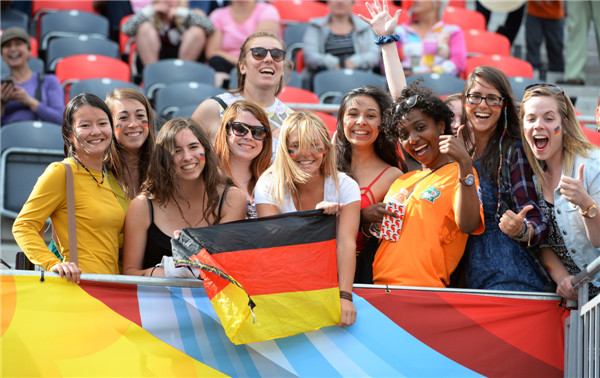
<point>269,277</point>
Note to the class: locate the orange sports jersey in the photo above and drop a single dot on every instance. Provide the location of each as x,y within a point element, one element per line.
<point>431,244</point>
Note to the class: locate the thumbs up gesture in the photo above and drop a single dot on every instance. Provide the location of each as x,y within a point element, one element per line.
<point>512,224</point>
<point>573,190</point>
<point>454,147</point>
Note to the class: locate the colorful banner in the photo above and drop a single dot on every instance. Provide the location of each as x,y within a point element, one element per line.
<point>269,277</point>
<point>57,328</point>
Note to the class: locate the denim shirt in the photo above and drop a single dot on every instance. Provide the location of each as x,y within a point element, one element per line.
<point>569,219</point>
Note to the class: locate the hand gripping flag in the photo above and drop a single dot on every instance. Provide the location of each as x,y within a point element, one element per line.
<point>269,277</point>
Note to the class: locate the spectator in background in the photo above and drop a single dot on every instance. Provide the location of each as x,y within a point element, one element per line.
<point>27,95</point>
<point>454,103</point>
<point>513,20</point>
<point>428,45</point>
<point>340,40</point>
<point>579,16</point>
<point>233,24</point>
<point>545,23</point>
<point>165,29</point>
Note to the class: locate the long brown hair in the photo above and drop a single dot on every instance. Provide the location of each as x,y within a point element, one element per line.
<point>162,183</point>
<point>288,65</point>
<point>113,161</point>
<point>263,160</point>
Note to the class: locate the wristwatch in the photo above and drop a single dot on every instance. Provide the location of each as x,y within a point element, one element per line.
<point>468,180</point>
<point>591,212</point>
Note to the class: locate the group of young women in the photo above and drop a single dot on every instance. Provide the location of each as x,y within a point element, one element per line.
<point>482,197</point>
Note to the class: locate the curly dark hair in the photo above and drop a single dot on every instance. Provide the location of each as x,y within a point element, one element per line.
<point>426,101</point>
<point>386,144</point>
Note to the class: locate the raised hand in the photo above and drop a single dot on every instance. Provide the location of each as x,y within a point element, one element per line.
<point>572,190</point>
<point>381,21</point>
<point>454,147</point>
<point>511,223</point>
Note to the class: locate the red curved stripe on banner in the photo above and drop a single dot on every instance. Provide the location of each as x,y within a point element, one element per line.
<point>124,303</point>
<point>441,326</point>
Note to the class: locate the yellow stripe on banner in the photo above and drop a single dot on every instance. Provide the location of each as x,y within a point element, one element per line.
<point>277,315</point>
<point>57,329</point>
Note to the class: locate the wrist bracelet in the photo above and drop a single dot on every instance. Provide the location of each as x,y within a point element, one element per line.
<point>387,39</point>
<point>152,271</point>
<point>346,295</point>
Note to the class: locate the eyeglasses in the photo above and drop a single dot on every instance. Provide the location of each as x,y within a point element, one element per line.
<point>491,100</point>
<point>550,87</point>
<point>260,53</point>
<point>241,129</point>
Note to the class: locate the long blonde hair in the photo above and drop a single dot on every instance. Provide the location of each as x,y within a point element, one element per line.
<point>285,172</point>
<point>574,141</point>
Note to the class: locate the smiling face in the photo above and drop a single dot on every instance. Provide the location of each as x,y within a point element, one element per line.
<point>15,52</point>
<point>189,156</point>
<point>483,117</point>
<point>456,108</point>
<point>244,147</point>
<point>131,124</point>
<point>420,137</point>
<point>362,119</point>
<point>262,73</point>
<point>542,126</point>
<point>311,158</point>
<point>92,132</point>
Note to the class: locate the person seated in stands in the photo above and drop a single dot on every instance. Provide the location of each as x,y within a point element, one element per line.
<point>340,40</point>
<point>233,24</point>
<point>567,172</point>
<point>183,189</point>
<point>427,44</point>
<point>261,70</point>
<point>27,95</point>
<point>166,29</point>
<point>304,177</point>
<point>243,147</point>
<point>440,201</point>
<point>455,104</point>
<point>87,132</point>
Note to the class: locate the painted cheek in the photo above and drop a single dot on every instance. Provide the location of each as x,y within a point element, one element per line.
<point>469,105</point>
<point>203,157</point>
<point>320,150</point>
<point>118,126</point>
<point>145,123</point>
<point>557,130</point>
<point>292,152</point>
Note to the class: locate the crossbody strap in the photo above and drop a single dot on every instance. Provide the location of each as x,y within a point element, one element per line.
<point>71,215</point>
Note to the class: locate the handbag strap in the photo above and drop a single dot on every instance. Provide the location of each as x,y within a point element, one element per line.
<point>71,215</point>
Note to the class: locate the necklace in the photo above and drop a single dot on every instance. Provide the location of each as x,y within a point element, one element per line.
<point>88,171</point>
<point>184,218</point>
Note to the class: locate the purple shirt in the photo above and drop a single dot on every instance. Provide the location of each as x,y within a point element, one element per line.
<point>52,103</point>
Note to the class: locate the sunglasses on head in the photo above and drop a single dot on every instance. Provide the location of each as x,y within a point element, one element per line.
<point>550,87</point>
<point>260,53</point>
<point>409,102</point>
<point>241,129</point>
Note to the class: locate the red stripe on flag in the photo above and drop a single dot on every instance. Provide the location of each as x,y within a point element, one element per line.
<point>120,297</point>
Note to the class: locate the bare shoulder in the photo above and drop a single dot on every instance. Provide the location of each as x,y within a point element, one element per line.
<point>138,208</point>
<point>235,205</point>
<point>392,174</point>
<point>208,115</point>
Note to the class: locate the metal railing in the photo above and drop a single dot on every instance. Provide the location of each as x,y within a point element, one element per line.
<point>582,328</point>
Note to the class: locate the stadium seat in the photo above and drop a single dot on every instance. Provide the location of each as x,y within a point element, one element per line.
<point>13,17</point>
<point>298,96</point>
<point>293,36</point>
<point>331,83</point>
<point>171,97</point>
<point>184,111</point>
<point>485,42</point>
<point>329,120</point>
<point>168,71</point>
<point>293,11</point>
<point>463,17</point>
<point>39,8</point>
<point>511,66</point>
<point>519,84</point>
<point>442,84</point>
<point>72,24</point>
<point>75,68</point>
<point>299,61</point>
<point>66,46</point>
<point>100,87</point>
<point>27,149</point>
<point>125,40</point>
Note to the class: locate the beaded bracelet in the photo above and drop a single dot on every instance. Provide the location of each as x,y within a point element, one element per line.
<point>346,295</point>
<point>387,39</point>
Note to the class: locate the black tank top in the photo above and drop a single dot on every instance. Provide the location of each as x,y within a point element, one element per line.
<point>158,244</point>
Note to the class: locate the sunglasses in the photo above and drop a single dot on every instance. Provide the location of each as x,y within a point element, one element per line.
<point>550,87</point>
<point>260,53</point>
<point>410,102</point>
<point>241,129</point>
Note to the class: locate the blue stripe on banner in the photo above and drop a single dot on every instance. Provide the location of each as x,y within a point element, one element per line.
<point>157,314</point>
<point>188,338</point>
<point>306,360</point>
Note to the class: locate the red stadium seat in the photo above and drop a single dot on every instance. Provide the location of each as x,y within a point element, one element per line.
<point>329,120</point>
<point>292,11</point>
<point>299,61</point>
<point>486,42</point>
<point>88,66</point>
<point>40,7</point>
<point>125,40</point>
<point>298,95</point>
<point>463,17</point>
<point>511,66</point>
